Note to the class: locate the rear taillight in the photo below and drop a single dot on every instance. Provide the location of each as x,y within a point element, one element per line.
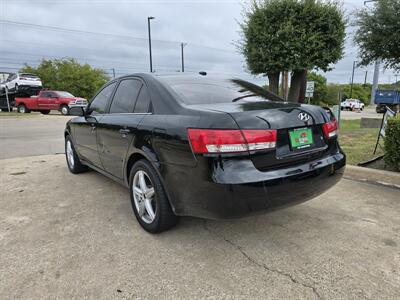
<point>230,141</point>
<point>330,129</point>
<point>22,78</point>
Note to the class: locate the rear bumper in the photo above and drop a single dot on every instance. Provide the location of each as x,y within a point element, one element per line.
<point>28,86</point>
<point>236,188</point>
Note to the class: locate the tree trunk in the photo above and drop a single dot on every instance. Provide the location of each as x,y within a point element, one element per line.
<point>285,84</point>
<point>303,86</point>
<point>273,78</point>
<point>297,85</point>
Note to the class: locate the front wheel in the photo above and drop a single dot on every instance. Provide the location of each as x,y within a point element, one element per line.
<point>73,162</point>
<point>64,110</point>
<point>149,200</point>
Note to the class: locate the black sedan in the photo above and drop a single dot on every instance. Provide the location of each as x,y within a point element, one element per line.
<point>203,146</point>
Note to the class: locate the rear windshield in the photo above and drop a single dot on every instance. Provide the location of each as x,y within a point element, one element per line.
<point>222,92</point>
<point>28,75</point>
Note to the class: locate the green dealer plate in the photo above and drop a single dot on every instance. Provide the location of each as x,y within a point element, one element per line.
<point>301,138</point>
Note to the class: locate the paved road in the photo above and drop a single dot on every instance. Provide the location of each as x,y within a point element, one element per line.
<point>368,112</point>
<point>74,236</point>
<point>32,135</point>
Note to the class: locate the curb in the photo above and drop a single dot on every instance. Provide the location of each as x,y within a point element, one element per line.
<point>380,177</point>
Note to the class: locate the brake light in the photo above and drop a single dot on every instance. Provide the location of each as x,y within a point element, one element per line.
<point>230,141</point>
<point>22,78</point>
<point>330,129</point>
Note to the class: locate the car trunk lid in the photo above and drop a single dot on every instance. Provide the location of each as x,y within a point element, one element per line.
<point>293,122</point>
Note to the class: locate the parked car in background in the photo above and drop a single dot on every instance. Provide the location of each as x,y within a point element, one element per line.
<point>20,81</point>
<point>201,146</point>
<point>50,100</point>
<point>352,104</point>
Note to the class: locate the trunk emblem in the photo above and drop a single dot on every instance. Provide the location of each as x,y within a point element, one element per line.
<point>303,116</point>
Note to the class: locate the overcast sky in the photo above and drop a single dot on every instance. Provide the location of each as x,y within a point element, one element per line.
<point>209,28</point>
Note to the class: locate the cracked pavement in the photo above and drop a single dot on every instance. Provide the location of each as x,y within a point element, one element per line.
<point>75,236</point>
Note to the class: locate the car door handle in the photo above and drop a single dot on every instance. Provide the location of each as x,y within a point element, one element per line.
<point>124,131</point>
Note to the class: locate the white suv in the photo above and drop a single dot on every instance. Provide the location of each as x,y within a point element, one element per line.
<point>19,81</point>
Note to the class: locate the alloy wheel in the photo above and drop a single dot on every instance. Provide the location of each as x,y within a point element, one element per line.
<point>143,195</point>
<point>70,155</point>
<point>64,110</point>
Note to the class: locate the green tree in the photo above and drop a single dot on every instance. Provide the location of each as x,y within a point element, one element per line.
<point>332,95</point>
<point>320,88</point>
<point>68,75</point>
<point>291,35</point>
<point>360,92</point>
<point>378,33</point>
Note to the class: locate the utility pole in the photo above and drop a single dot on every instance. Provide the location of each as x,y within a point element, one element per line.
<point>365,78</point>
<point>376,70</point>
<point>375,81</point>
<point>182,57</point>
<point>113,70</point>
<point>148,29</point>
<point>352,80</point>
<point>395,76</point>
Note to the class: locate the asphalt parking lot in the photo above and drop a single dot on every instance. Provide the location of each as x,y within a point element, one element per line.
<point>33,134</point>
<point>75,236</point>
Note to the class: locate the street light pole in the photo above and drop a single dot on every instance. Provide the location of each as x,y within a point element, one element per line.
<point>365,78</point>
<point>352,80</point>
<point>182,57</point>
<point>148,29</point>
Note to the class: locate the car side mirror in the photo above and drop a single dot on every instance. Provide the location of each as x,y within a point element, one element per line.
<point>77,111</point>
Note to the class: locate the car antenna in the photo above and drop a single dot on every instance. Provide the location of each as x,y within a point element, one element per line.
<point>203,73</point>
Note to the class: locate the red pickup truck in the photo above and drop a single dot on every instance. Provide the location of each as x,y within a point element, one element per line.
<point>49,100</point>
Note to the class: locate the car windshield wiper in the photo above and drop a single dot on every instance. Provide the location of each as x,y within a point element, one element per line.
<point>245,96</point>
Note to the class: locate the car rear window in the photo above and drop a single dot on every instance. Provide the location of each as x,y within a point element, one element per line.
<point>28,75</point>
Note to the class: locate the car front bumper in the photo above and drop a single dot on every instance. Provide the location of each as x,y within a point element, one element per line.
<point>236,188</point>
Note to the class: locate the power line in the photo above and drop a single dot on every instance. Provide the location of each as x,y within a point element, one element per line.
<point>77,31</point>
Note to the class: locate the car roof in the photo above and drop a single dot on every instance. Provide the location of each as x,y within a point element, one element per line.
<point>173,78</point>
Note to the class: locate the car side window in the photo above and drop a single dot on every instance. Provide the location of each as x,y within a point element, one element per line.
<point>143,103</point>
<point>99,103</point>
<point>46,95</point>
<point>125,96</point>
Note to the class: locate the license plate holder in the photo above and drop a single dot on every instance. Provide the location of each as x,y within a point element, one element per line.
<point>301,138</point>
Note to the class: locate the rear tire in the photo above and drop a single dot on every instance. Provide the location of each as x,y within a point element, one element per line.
<point>45,112</point>
<point>73,162</point>
<point>161,217</point>
<point>23,109</point>
<point>64,109</point>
